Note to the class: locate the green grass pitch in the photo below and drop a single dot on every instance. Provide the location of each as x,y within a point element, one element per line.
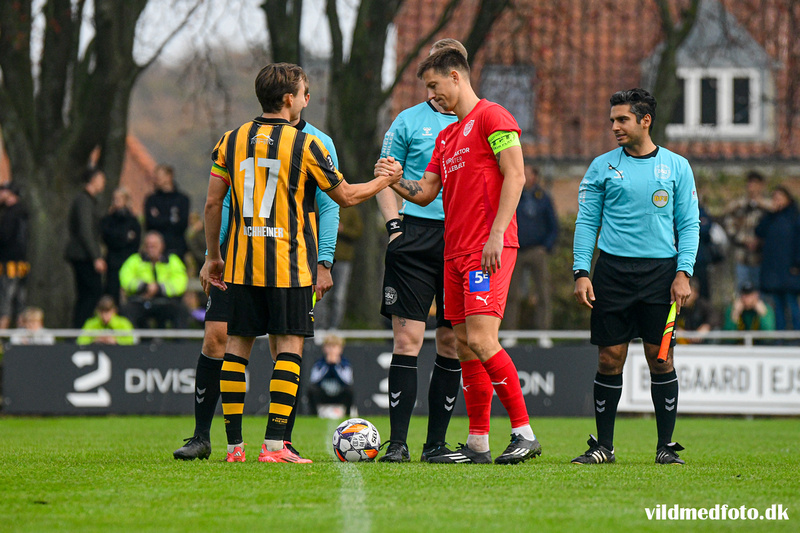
<point>118,474</point>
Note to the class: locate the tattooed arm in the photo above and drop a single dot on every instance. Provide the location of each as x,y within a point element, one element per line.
<point>421,192</point>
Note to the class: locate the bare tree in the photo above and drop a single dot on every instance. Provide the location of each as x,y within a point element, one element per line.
<point>667,85</point>
<point>356,95</point>
<point>283,24</point>
<point>57,107</point>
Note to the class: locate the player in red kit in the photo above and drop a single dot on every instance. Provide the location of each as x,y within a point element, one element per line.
<point>478,165</point>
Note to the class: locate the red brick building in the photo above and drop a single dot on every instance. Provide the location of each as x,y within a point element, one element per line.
<point>555,64</point>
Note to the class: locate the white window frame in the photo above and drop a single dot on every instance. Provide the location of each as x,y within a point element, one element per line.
<point>725,128</point>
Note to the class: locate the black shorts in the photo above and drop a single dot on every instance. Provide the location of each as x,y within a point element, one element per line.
<point>631,299</point>
<point>217,307</point>
<point>414,274</point>
<point>256,311</point>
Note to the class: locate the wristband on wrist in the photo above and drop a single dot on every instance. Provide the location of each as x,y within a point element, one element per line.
<point>577,274</point>
<point>393,226</point>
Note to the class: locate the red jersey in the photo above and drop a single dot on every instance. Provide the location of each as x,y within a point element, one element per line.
<point>471,179</point>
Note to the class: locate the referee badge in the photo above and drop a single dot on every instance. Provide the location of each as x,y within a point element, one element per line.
<point>660,198</point>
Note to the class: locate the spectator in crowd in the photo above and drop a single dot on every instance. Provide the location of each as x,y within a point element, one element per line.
<point>697,313</point>
<point>749,312</point>
<point>331,379</point>
<point>779,232</point>
<point>329,311</point>
<point>167,211</point>
<point>31,324</point>
<point>106,318</point>
<point>741,217</point>
<point>195,303</point>
<point>83,247</point>
<point>708,252</point>
<point>14,266</point>
<point>538,232</point>
<point>122,235</point>
<point>154,283</point>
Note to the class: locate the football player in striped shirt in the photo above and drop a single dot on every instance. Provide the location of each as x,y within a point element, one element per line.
<point>209,364</point>
<point>270,257</point>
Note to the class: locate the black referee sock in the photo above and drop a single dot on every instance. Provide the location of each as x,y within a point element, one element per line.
<point>206,394</point>
<point>607,391</point>
<point>402,394</point>
<point>442,394</point>
<point>664,391</point>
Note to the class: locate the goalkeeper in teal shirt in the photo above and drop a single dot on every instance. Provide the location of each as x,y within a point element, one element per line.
<point>638,197</point>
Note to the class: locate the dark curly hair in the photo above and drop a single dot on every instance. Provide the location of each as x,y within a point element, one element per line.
<point>642,103</point>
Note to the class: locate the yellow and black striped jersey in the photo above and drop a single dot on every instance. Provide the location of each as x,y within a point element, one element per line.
<point>273,171</point>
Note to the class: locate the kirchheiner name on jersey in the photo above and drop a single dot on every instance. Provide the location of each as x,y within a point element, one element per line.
<point>262,231</point>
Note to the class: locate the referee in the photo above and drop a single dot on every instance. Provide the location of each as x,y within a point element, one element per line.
<point>638,195</point>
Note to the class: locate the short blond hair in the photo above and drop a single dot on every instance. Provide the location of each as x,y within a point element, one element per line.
<point>441,44</point>
<point>31,313</point>
<point>333,340</point>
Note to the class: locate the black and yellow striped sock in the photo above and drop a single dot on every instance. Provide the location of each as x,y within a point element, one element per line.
<point>283,392</point>
<point>232,387</point>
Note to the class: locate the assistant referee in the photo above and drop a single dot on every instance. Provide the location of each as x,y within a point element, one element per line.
<point>637,196</point>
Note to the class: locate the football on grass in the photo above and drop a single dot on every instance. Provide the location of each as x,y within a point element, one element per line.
<point>356,440</point>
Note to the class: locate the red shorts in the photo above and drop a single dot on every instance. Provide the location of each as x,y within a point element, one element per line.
<point>468,291</point>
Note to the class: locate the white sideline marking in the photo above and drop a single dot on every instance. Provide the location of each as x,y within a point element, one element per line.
<point>352,497</point>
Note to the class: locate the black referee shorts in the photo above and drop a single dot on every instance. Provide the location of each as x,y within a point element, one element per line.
<point>217,306</point>
<point>632,299</point>
<point>257,311</point>
<point>414,274</point>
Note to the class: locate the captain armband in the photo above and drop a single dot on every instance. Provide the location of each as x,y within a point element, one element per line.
<point>500,140</point>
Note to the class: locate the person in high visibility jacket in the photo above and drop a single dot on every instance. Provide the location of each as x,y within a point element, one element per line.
<point>154,283</point>
<point>106,318</point>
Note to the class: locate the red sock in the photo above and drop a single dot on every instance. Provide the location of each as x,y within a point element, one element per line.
<point>477,395</point>
<point>505,380</point>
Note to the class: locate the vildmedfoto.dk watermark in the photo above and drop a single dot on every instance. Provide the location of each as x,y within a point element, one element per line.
<point>718,512</point>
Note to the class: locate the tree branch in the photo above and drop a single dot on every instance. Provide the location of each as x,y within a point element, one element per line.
<point>284,28</point>
<point>488,13</point>
<point>337,46</point>
<point>442,22</point>
<point>688,19</point>
<point>171,36</point>
<point>665,17</point>
<point>15,61</point>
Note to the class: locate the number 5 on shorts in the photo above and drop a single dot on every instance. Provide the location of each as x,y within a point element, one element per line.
<point>478,281</point>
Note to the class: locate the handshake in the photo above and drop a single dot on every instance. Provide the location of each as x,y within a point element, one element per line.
<point>389,167</point>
